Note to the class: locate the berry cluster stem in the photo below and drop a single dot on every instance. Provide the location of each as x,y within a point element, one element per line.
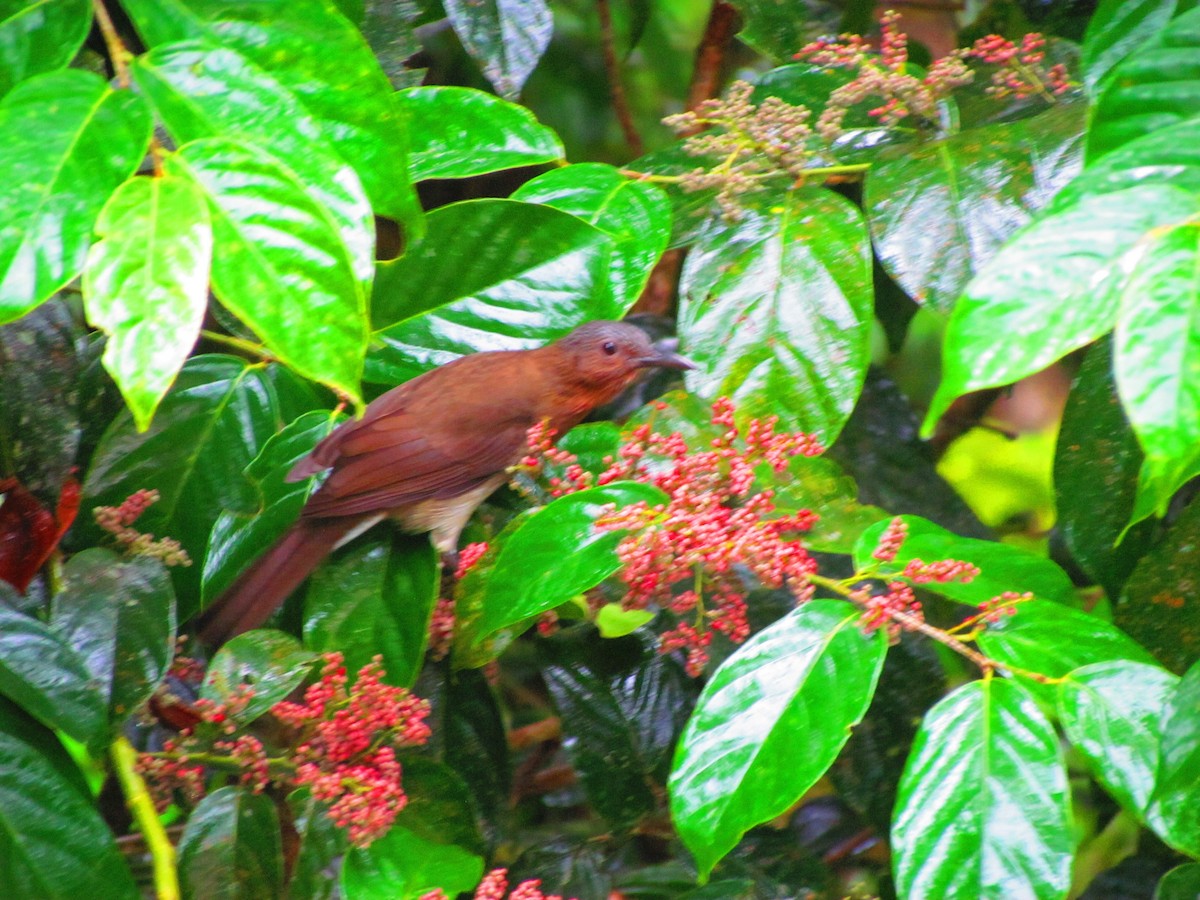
<point>141,806</point>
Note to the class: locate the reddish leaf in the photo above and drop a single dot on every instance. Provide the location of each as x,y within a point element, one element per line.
<point>28,532</point>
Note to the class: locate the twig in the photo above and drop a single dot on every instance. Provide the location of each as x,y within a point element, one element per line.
<point>137,799</point>
<point>117,51</point>
<point>238,343</point>
<point>710,55</point>
<point>615,87</point>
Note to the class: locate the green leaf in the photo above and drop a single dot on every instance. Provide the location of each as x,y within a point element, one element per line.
<point>984,808</point>
<point>40,670</point>
<point>69,141</point>
<point>53,843</point>
<point>202,91</point>
<point>459,132</point>
<point>272,663</point>
<point>208,428</point>
<point>279,262</point>
<point>775,29</point>
<point>376,599</point>
<point>1116,29</point>
<point>819,484</point>
<point>39,36</point>
<point>402,864</point>
<point>146,285</point>
<point>613,622</point>
<point>489,275</point>
<point>1002,567</point>
<point>1113,713</point>
<point>323,59</point>
<point>119,615</point>
<point>1165,156</point>
<point>1176,800</point>
<point>1156,86</point>
<point>237,539</point>
<point>1052,289</point>
<point>231,848</point>
<point>941,210</point>
<point>544,558</point>
<point>1181,883</point>
<point>804,681</point>
<point>1156,353</point>
<point>1033,639</point>
<point>322,843</point>
<point>776,310</point>
<point>636,215</point>
<point>506,37</point>
<point>440,807</point>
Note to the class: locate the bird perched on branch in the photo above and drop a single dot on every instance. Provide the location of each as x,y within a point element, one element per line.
<point>428,452</point>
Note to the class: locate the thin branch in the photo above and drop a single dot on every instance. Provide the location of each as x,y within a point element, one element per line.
<point>117,51</point>
<point>710,55</point>
<point>137,798</point>
<point>616,88</point>
<point>247,347</point>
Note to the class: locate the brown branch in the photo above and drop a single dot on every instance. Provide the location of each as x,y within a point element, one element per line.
<point>616,89</point>
<point>118,53</point>
<point>710,55</point>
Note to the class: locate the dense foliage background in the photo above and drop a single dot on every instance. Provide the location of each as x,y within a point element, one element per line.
<point>953,656</point>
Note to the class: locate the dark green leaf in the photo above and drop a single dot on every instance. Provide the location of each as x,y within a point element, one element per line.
<point>42,672</point>
<point>984,810</point>
<point>636,215</point>
<point>1169,156</point>
<point>773,28</point>
<point>321,844</point>
<point>271,663</point>
<point>53,843</point>
<point>776,310</point>
<point>440,807</point>
<point>146,285</point>
<point>459,132</point>
<point>119,615</point>
<point>474,738</point>
<point>802,682</point>
<point>38,36</point>
<point>376,599</point>
<point>231,848</point>
<point>1181,883</point>
<point>818,483</point>
<point>69,140</point>
<point>1176,800</point>
<point>403,864</point>
<point>1116,29</point>
<point>506,37</point>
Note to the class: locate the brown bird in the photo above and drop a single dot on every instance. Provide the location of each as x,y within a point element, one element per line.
<point>428,452</point>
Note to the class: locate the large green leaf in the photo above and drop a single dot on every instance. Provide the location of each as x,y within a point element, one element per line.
<point>1116,29</point>
<point>119,615</point>
<point>1181,883</point>
<point>984,810</point>
<point>636,215</point>
<point>69,141</point>
<point>322,58</point>
<point>459,132</point>
<point>506,37</point>
<point>405,864</point>
<point>1054,288</point>
<point>271,663</point>
<point>53,843</point>
<point>772,28</point>
<point>817,483</point>
<point>776,309</point>
<point>39,36</point>
<point>940,211</point>
<point>1177,794</point>
<point>322,844</point>
<point>146,284</point>
<point>803,682</point>
<point>279,262</point>
<point>231,848</point>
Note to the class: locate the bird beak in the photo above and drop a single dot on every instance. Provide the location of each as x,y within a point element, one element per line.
<point>665,357</point>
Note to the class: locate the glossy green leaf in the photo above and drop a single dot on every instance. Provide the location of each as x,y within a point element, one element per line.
<point>818,483</point>
<point>474,738</point>
<point>40,36</point>
<point>1181,883</point>
<point>209,427</point>
<point>238,538</point>
<point>1054,288</point>
<point>376,599</point>
<point>322,58</point>
<point>636,215</point>
<point>1169,156</point>
<point>984,809</point>
<point>613,622</point>
<point>776,310</point>
<point>1113,713</point>
<point>53,843</point>
<point>940,211</point>
<point>1177,794</point>
<point>404,864</point>
<point>232,832</point>
<point>119,615</point>
<point>69,141</point>
<point>322,843</point>
<point>271,663</point>
<point>1116,29</point>
<point>146,284</point>
<point>1002,567</point>
<point>40,670</point>
<point>459,132</point>
<point>544,558</point>
<point>279,262</point>
<point>204,91</point>
<point>1156,355</point>
<point>489,275</point>
<point>506,37</point>
<point>440,808</point>
<point>1033,639</point>
<point>1156,86</point>
<point>802,682</point>
<point>772,28</point>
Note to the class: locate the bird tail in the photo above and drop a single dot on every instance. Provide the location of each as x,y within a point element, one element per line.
<point>268,581</point>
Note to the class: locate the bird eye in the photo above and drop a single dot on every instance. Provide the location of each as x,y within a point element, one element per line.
<point>609,348</point>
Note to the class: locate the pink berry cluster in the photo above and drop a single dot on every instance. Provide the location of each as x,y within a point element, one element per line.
<point>441,623</point>
<point>495,887</point>
<point>118,521</point>
<point>1021,68</point>
<point>994,610</point>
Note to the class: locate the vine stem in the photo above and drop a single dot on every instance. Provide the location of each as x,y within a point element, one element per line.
<point>616,88</point>
<point>238,344</point>
<point>137,799</point>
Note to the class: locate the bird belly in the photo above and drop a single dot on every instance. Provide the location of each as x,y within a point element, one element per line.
<point>446,517</point>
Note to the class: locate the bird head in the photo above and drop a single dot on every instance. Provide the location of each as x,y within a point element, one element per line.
<point>613,354</point>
